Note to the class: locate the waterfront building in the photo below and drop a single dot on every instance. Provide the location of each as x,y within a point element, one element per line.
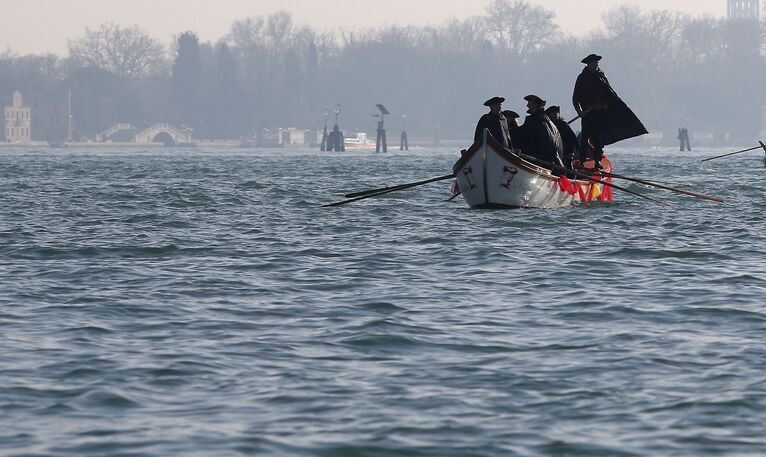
<point>18,121</point>
<point>743,9</point>
<point>743,31</point>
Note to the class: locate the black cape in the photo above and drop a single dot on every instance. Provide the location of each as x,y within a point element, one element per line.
<point>621,122</point>
<point>498,128</point>
<point>540,138</point>
<point>568,139</point>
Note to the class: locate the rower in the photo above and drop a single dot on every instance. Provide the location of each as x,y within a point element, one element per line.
<point>538,136</point>
<point>568,136</point>
<point>494,121</point>
<point>513,127</point>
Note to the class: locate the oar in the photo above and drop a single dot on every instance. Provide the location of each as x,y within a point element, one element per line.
<point>454,196</point>
<point>385,190</point>
<point>732,153</point>
<point>396,187</point>
<point>580,115</point>
<point>661,186</point>
<point>553,166</point>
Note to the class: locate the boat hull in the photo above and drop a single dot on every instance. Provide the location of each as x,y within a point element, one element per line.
<point>492,177</point>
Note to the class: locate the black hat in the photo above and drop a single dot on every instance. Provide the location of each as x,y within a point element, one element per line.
<point>552,109</point>
<point>535,99</point>
<point>494,101</point>
<point>591,58</point>
<point>511,114</point>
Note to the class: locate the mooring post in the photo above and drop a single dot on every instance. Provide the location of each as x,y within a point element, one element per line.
<point>380,140</point>
<point>336,143</point>
<point>323,147</point>
<point>403,142</point>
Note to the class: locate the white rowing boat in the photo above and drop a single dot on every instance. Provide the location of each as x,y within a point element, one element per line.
<point>490,176</point>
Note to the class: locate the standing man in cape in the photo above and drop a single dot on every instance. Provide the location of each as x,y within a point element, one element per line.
<point>495,122</point>
<point>606,119</point>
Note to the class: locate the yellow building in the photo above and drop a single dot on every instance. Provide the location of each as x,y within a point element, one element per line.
<point>18,121</point>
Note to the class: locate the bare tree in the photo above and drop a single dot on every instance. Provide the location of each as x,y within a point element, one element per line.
<point>651,38</point>
<point>519,28</point>
<point>279,31</point>
<point>128,51</point>
<point>466,35</point>
<point>247,34</point>
<point>703,40</point>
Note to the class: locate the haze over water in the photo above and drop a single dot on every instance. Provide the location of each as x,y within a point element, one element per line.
<point>42,26</point>
<point>200,302</point>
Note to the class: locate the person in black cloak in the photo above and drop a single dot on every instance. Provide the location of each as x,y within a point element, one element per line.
<point>513,128</point>
<point>606,119</point>
<point>539,137</point>
<point>568,137</point>
<point>494,121</point>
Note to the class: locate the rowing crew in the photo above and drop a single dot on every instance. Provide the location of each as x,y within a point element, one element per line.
<point>546,136</point>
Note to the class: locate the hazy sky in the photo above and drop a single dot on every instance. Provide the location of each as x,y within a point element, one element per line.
<point>37,26</point>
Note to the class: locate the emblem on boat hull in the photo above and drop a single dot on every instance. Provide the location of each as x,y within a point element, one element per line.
<point>507,178</point>
<point>468,173</point>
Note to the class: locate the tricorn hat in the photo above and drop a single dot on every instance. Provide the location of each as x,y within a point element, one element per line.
<point>552,109</point>
<point>591,58</point>
<point>535,99</point>
<point>511,114</point>
<point>494,101</point>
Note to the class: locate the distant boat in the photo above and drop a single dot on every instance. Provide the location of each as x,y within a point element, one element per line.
<point>360,142</point>
<point>489,176</point>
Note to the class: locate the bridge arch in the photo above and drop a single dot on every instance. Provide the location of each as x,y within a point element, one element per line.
<point>164,138</point>
<point>164,133</point>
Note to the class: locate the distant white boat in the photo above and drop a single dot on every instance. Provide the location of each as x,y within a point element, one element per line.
<point>359,142</point>
<point>489,176</point>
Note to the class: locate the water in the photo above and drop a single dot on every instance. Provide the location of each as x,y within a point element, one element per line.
<point>201,303</point>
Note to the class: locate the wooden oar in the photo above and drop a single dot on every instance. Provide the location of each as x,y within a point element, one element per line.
<point>454,196</point>
<point>580,115</point>
<point>396,187</point>
<point>732,153</point>
<point>385,190</point>
<point>553,166</point>
<point>661,186</point>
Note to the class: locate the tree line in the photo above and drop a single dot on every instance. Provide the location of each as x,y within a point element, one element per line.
<point>673,69</point>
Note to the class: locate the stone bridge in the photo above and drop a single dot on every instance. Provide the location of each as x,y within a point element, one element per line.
<point>164,133</point>
<point>108,133</point>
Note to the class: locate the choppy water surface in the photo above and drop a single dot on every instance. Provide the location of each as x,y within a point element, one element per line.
<point>201,303</point>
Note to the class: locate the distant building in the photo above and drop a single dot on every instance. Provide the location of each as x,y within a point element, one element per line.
<point>292,137</point>
<point>18,121</point>
<point>743,9</point>
<point>51,120</point>
<point>743,31</point>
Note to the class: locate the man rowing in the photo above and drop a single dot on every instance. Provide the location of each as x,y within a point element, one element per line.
<point>539,137</point>
<point>513,127</point>
<point>494,121</point>
<point>568,136</point>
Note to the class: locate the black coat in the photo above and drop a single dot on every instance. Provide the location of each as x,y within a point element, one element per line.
<point>568,139</point>
<point>540,138</point>
<point>621,122</point>
<point>498,128</point>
